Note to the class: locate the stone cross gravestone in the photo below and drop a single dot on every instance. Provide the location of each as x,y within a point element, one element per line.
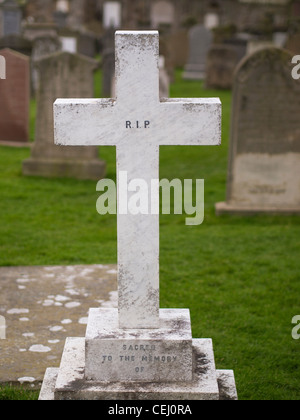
<point>138,351</point>
<point>264,164</point>
<point>14,97</point>
<point>68,75</point>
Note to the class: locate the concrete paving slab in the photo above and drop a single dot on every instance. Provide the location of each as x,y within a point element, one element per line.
<point>41,307</point>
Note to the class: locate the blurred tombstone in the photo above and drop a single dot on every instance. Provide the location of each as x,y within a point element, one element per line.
<point>264,164</point>
<point>164,80</point>
<point>10,18</point>
<point>222,61</point>
<point>87,44</point>
<point>162,13</point>
<point>256,45</point>
<point>61,13</point>
<point>211,20</point>
<point>16,43</point>
<point>112,14</point>
<point>178,45</point>
<point>200,40</point>
<point>31,31</point>
<point>42,46</point>
<point>239,44</point>
<point>14,98</point>
<point>62,75</point>
<point>108,62</point>
<point>69,44</point>
<point>279,39</point>
<point>293,44</point>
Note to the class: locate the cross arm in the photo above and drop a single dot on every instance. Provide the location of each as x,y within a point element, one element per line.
<point>80,122</point>
<point>191,122</point>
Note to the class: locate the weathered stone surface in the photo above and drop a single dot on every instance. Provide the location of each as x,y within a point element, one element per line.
<point>137,122</point>
<point>68,382</point>
<point>264,165</point>
<point>68,75</point>
<point>137,351</point>
<point>134,355</point>
<point>71,384</point>
<point>44,305</point>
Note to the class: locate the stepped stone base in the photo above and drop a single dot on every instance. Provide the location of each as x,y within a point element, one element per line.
<point>129,368</point>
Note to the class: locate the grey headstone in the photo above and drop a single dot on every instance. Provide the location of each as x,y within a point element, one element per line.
<point>70,76</point>
<point>264,167</point>
<point>42,46</point>
<point>11,17</point>
<point>200,40</point>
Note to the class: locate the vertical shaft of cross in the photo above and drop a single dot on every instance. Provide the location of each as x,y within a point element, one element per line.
<point>138,242</point>
<point>138,234</point>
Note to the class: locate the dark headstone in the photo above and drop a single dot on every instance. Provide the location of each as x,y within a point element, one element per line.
<point>14,98</point>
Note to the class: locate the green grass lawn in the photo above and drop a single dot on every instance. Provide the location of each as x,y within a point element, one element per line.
<point>239,276</point>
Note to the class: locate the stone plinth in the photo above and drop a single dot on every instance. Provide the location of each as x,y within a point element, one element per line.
<point>139,355</point>
<point>69,381</point>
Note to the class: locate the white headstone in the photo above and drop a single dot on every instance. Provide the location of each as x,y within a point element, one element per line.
<point>162,13</point>
<point>112,14</point>
<point>69,44</point>
<point>211,20</point>
<point>62,6</point>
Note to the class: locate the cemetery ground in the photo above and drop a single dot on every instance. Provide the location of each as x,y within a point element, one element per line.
<point>238,275</point>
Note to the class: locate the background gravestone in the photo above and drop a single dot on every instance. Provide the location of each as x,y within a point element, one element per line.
<point>43,45</point>
<point>10,18</point>
<point>200,40</point>
<point>112,14</point>
<point>17,43</point>
<point>264,168</point>
<point>14,98</point>
<point>70,76</point>
<point>162,13</point>
<point>222,61</point>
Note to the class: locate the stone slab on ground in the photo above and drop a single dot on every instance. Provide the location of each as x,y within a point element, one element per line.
<point>41,307</point>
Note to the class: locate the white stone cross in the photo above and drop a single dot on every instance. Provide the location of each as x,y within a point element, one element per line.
<point>137,122</point>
